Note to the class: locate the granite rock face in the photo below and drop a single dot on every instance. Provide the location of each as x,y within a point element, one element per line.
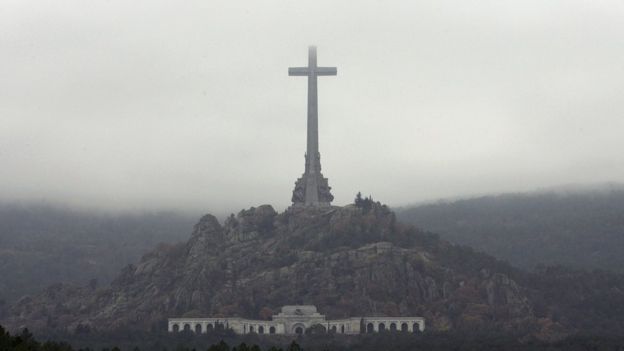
<point>249,224</point>
<point>347,261</point>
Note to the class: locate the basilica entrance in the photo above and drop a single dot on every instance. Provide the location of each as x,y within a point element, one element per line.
<point>299,329</point>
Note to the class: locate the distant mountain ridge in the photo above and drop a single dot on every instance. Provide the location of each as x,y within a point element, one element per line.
<point>43,244</point>
<point>578,227</point>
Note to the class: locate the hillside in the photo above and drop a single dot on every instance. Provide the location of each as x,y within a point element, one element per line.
<point>583,230</point>
<point>41,245</point>
<point>347,261</point>
<point>353,260</point>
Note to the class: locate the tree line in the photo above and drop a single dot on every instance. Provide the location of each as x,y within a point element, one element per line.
<point>440,341</point>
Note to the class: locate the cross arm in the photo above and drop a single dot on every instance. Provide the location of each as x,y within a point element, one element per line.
<point>298,71</point>
<point>326,71</point>
<point>305,71</point>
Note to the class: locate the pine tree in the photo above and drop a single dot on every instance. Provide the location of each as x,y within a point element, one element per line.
<point>294,347</point>
<point>358,199</point>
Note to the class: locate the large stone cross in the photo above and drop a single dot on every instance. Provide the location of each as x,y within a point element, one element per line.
<point>312,188</point>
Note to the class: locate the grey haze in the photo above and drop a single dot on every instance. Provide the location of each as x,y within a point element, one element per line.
<point>188,104</point>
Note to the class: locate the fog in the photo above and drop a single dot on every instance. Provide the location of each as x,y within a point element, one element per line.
<point>188,105</point>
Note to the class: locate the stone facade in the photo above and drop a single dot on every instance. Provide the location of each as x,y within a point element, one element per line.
<point>298,319</point>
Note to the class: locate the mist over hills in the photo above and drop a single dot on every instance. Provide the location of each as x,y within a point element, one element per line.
<point>580,226</point>
<point>575,226</point>
<point>43,244</point>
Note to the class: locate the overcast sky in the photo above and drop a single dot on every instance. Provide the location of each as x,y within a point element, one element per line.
<point>188,104</point>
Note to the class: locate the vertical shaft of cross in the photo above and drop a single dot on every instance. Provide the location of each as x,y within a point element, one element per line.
<point>312,152</point>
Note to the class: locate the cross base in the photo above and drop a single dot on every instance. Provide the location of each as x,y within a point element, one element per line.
<point>312,189</point>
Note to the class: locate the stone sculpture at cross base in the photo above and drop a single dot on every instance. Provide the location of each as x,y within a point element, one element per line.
<point>312,182</point>
<point>312,189</point>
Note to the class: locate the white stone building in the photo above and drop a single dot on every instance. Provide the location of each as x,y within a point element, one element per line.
<point>296,320</point>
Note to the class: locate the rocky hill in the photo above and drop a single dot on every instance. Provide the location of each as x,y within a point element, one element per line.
<point>348,261</point>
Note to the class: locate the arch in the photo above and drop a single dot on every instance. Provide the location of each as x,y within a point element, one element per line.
<point>342,329</point>
<point>261,330</point>
<point>299,329</point>
<point>334,329</point>
<point>404,327</point>
<point>381,327</point>
<point>251,329</point>
<point>316,329</point>
<point>176,328</point>
<point>393,327</point>
<point>272,330</point>
<point>416,328</point>
<point>209,328</point>
<point>370,328</point>
<point>198,328</point>
<point>187,327</point>
<point>219,326</point>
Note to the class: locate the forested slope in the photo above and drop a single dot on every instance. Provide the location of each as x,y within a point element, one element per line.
<point>41,245</point>
<point>579,229</point>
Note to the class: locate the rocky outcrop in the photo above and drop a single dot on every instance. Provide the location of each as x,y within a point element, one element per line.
<point>249,224</point>
<point>345,260</point>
